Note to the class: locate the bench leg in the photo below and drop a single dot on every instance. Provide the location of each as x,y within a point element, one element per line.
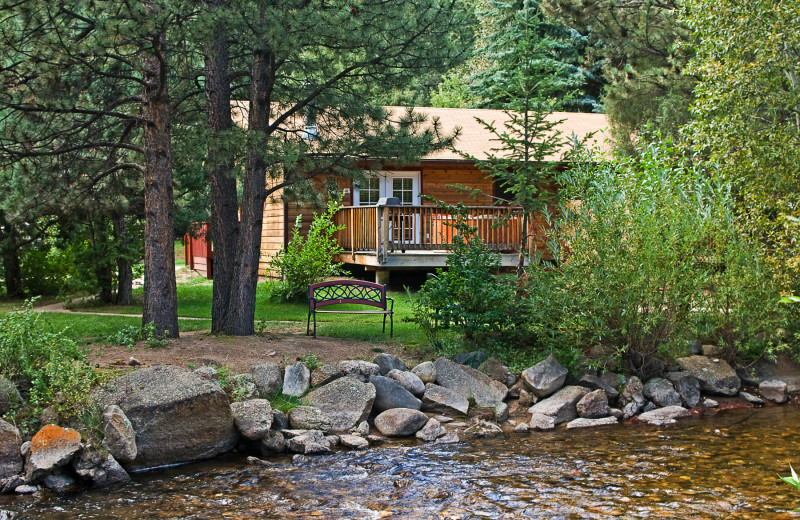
<point>315,325</point>
<point>391,325</point>
<point>308,324</point>
<point>384,324</point>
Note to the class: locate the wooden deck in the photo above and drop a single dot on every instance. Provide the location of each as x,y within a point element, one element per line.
<point>422,236</point>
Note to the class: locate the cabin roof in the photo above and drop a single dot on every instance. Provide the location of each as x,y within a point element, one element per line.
<point>474,139</point>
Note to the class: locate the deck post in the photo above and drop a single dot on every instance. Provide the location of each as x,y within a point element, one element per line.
<point>382,277</point>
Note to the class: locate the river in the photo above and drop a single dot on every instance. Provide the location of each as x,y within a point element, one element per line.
<point>723,466</point>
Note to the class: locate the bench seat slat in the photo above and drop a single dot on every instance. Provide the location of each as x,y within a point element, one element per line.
<point>354,312</point>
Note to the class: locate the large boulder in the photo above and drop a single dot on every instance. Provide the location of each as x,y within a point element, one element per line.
<point>715,375</point>
<point>118,435</point>
<point>310,443</point>
<point>400,422</point>
<point>687,386</point>
<point>773,390</point>
<point>594,405</point>
<point>389,394</point>
<point>51,448</point>
<point>661,392</point>
<point>409,380</point>
<point>324,374</point>
<point>495,369</point>
<point>438,399</point>
<point>361,370</point>
<point>346,401</point>
<point>561,406</point>
<point>545,378</point>
<point>99,468</point>
<point>253,418</point>
<point>593,382</point>
<point>178,416</point>
<point>470,383</point>
<point>664,416</point>
<point>387,362</point>
<point>9,395</point>
<point>309,418</point>
<point>267,377</point>
<point>10,443</point>
<point>296,380</point>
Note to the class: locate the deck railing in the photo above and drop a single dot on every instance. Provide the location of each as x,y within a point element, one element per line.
<point>397,229</point>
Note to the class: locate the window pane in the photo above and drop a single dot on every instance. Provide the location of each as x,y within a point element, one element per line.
<point>369,192</point>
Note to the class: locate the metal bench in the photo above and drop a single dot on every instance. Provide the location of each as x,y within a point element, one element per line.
<point>349,291</point>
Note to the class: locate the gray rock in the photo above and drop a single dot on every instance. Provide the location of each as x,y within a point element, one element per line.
<point>695,347</point>
<point>253,418</point>
<point>649,407</point>
<point>400,422</point>
<point>495,369</point>
<point>60,483</point>
<point>346,401</point>
<point>425,371</point>
<point>10,450</point>
<point>51,448</point>
<point>444,419</point>
<point>324,375</point>
<point>296,380</point>
<point>633,391</point>
<point>310,443</point>
<point>99,468</point>
<point>362,429</point>
<point>613,379</point>
<point>750,398</point>
<point>711,351</point>
<point>334,440</point>
<point>268,378</point>
<point>561,406</point>
<point>541,422</point>
<point>687,386</point>
<point>387,362</point>
<point>631,409</point>
<point>438,399</point>
<point>470,383</point>
<point>409,380</point>
<point>389,394</point>
<point>361,370</point>
<point>449,438</point>
<point>273,443</point>
<point>526,399</point>
<point>661,392</point>
<point>594,405</point>
<point>207,372</point>
<point>431,431</point>
<point>523,428</point>
<point>472,359</point>
<point>511,379</point>
<point>178,416</point>
<point>593,382</point>
<point>545,378</point>
<point>9,395</point>
<point>501,412</point>
<point>309,418</point>
<point>9,484</point>
<point>279,420</point>
<point>710,403</point>
<point>716,378</point>
<point>616,412</point>
<point>664,416</point>
<point>25,448</point>
<point>590,423</point>
<point>784,368</point>
<point>773,390</point>
<point>119,438</point>
<point>481,429</point>
<point>354,442</point>
<point>26,489</point>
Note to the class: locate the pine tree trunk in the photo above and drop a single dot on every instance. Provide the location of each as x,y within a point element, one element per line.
<point>160,305</point>
<point>124,268</point>
<point>239,320</point>
<point>224,208</point>
<point>9,249</point>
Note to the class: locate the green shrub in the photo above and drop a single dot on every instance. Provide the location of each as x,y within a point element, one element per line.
<point>470,296</point>
<point>49,368</point>
<point>308,259</point>
<point>129,335</point>
<point>647,256</point>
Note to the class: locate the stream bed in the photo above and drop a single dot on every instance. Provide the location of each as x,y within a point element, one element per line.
<point>722,466</point>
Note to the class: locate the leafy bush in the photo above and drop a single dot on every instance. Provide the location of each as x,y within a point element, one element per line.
<point>48,367</point>
<point>648,255</point>
<point>308,259</point>
<point>128,336</point>
<point>470,296</point>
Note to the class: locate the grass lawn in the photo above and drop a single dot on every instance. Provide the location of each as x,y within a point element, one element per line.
<point>93,329</point>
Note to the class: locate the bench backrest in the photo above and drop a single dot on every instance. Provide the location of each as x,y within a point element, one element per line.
<point>347,291</point>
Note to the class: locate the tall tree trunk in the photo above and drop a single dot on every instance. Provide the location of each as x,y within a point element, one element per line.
<point>9,249</point>
<point>160,305</point>
<point>124,268</point>
<point>242,303</point>
<point>224,209</point>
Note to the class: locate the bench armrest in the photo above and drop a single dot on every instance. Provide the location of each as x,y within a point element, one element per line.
<point>391,307</point>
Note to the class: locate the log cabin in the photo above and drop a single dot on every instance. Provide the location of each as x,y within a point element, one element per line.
<point>388,226</point>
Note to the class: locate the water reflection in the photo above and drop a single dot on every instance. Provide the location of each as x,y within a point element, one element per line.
<point>718,467</point>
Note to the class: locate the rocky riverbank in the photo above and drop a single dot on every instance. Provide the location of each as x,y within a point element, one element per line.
<point>169,415</point>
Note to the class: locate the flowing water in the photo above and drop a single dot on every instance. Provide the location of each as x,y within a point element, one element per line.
<point>725,466</point>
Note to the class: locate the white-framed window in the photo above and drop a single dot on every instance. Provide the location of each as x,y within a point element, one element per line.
<point>403,189</point>
<point>369,191</point>
<point>405,185</point>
